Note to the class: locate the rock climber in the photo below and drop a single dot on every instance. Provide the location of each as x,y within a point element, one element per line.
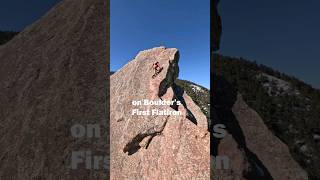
<point>157,69</point>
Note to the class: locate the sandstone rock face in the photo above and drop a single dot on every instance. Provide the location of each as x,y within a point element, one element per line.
<point>155,146</point>
<point>54,75</point>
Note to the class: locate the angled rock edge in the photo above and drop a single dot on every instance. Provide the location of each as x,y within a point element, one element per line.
<point>254,152</point>
<point>155,147</point>
<point>54,75</point>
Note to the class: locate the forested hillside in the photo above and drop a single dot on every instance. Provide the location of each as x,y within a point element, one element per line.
<point>200,95</point>
<point>289,107</point>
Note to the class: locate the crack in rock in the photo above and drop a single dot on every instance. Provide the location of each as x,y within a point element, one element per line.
<point>144,138</point>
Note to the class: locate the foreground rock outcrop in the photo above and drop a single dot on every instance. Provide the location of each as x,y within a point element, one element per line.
<point>54,75</point>
<point>291,126</point>
<point>273,154</point>
<point>155,146</point>
<point>254,151</point>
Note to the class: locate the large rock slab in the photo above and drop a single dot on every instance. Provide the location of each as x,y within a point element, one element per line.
<point>54,75</point>
<point>273,154</point>
<point>155,146</point>
<point>254,152</point>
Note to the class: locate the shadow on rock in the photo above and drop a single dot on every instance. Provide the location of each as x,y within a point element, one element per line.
<point>178,92</point>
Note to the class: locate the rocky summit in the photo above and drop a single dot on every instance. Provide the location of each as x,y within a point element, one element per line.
<point>155,146</point>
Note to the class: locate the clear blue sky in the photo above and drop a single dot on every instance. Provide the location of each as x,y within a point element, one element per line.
<point>142,24</point>
<point>283,34</point>
<point>17,14</point>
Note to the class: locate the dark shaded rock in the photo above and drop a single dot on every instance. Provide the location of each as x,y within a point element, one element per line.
<point>6,36</point>
<point>216,27</point>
